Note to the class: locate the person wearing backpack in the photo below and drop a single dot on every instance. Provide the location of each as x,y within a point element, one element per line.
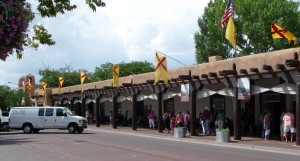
<point>166,117</point>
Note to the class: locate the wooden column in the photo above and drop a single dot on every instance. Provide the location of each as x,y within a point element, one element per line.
<point>72,105</point>
<point>134,108</point>
<point>298,114</point>
<point>101,112</point>
<point>114,111</point>
<point>236,115</point>
<point>52,102</point>
<point>98,112</point>
<point>193,112</point>
<point>83,107</point>
<point>159,114</point>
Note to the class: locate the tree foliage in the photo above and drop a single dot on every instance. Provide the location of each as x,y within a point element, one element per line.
<point>104,72</point>
<point>252,20</point>
<point>71,77</point>
<point>11,97</point>
<point>15,17</point>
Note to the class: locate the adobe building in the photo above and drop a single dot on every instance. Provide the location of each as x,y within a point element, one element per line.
<point>22,86</point>
<point>241,87</point>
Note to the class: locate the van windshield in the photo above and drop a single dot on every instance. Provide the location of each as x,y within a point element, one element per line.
<point>69,112</point>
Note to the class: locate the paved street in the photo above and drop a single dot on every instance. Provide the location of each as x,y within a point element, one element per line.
<point>113,145</point>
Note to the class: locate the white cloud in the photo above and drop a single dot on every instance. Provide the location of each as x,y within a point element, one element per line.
<point>122,31</point>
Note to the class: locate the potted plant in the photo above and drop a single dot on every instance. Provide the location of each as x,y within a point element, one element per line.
<point>223,135</point>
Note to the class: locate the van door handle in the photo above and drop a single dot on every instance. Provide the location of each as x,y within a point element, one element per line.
<point>45,119</point>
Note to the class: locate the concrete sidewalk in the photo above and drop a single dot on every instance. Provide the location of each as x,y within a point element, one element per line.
<point>252,143</point>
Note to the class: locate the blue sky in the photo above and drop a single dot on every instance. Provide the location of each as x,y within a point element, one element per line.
<point>123,31</point>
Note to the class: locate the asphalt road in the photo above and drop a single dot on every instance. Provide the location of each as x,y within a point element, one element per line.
<point>97,145</point>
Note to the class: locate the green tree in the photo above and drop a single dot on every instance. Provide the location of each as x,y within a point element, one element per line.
<point>16,15</point>
<point>104,72</point>
<point>71,77</point>
<point>10,97</point>
<point>252,20</point>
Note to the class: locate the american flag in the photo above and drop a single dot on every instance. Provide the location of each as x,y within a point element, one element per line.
<point>228,12</point>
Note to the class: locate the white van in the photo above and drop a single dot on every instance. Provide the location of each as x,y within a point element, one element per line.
<point>4,122</point>
<point>34,119</point>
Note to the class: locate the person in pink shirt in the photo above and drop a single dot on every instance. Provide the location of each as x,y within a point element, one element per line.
<point>151,118</point>
<point>288,125</point>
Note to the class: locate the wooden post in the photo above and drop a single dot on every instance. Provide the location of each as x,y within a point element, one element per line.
<point>193,112</point>
<point>98,112</point>
<point>236,115</point>
<point>298,114</point>
<point>83,107</point>
<point>159,114</point>
<point>134,108</point>
<point>114,111</point>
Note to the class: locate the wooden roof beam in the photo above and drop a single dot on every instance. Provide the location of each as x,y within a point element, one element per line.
<point>243,71</point>
<point>280,66</point>
<point>212,74</point>
<point>227,72</point>
<point>267,67</point>
<point>255,70</point>
<point>185,77</point>
<point>292,63</point>
<point>204,76</point>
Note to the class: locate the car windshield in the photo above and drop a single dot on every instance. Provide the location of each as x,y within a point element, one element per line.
<point>69,112</point>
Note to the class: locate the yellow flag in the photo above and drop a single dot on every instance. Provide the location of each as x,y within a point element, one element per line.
<point>279,32</point>
<point>60,83</point>
<point>116,75</point>
<point>161,71</point>
<point>44,86</point>
<point>28,86</point>
<point>82,78</point>
<point>230,33</point>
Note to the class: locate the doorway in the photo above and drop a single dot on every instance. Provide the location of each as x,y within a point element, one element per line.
<point>274,103</point>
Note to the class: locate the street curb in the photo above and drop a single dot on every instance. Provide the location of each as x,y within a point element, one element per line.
<point>205,142</point>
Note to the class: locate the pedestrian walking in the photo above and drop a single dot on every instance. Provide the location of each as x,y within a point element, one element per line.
<point>151,118</point>
<point>267,120</point>
<point>207,119</point>
<point>179,119</point>
<point>166,118</point>
<point>288,125</point>
<point>201,123</point>
<point>186,119</point>
<point>172,125</point>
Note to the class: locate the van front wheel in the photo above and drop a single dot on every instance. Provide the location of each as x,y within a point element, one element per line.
<point>72,128</point>
<point>27,128</point>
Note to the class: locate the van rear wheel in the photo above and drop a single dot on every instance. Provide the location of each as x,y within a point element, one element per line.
<point>27,128</point>
<point>72,128</point>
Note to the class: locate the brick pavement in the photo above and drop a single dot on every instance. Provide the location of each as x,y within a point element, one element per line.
<point>246,142</point>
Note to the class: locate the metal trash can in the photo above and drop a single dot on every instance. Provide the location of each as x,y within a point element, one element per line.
<point>222,136</point>
<point>179,132</point>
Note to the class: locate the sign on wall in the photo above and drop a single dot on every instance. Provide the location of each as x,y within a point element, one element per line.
<point>244,88</point>
<point>185,92</point>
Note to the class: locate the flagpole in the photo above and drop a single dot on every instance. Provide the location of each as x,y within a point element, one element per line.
<point>171,58</point>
